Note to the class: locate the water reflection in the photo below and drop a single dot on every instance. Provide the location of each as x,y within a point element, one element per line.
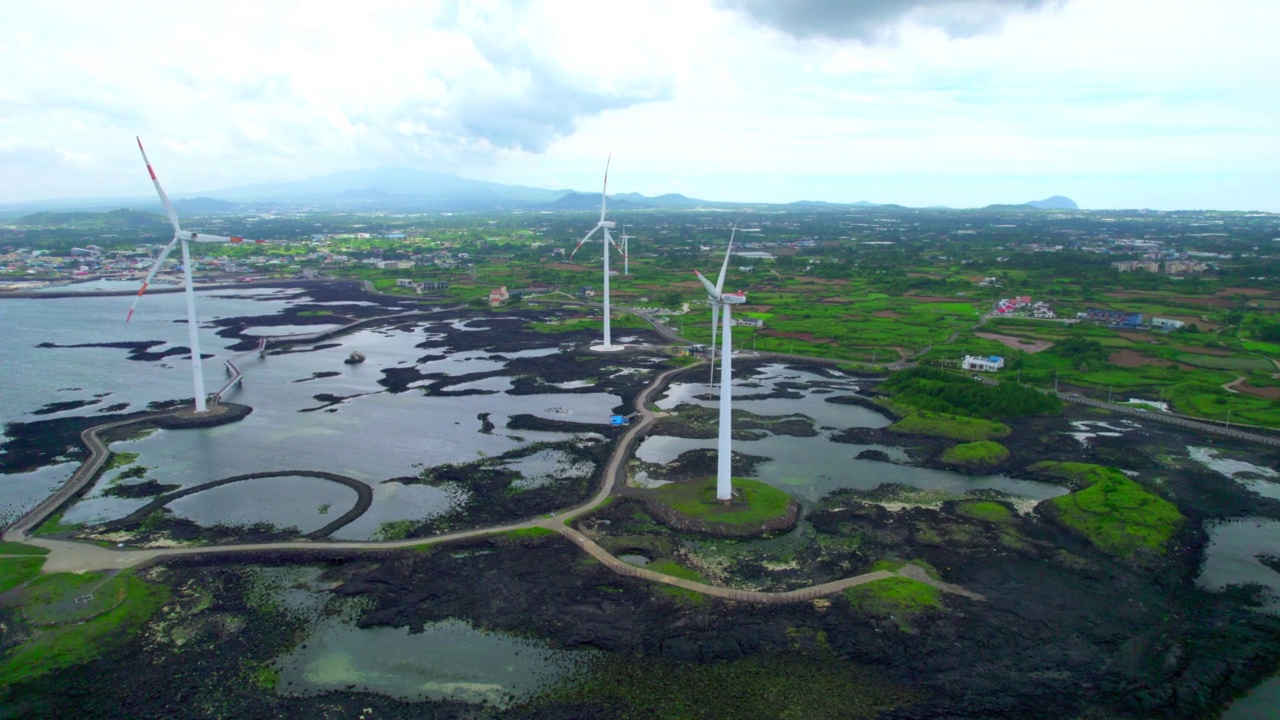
<point>1231,557</point>
<point>448,660</point>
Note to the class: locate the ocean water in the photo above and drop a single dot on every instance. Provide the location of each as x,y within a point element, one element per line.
<point>359,429</point>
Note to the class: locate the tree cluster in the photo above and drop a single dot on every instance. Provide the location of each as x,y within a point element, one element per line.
<point>941,391</point>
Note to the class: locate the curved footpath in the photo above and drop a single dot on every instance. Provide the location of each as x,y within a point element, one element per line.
<point>78,557</point>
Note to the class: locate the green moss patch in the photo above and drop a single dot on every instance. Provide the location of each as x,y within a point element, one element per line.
<point>120,459</point>
<point>985,510</point>
<point>1116,514</point>
<point>901,598</point>
<point>980,454</point>
<point>675,569</point>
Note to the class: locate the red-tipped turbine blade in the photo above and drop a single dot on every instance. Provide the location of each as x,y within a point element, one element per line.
<point>151,275</point>
<point>583,241</point>
<point>164,199</point>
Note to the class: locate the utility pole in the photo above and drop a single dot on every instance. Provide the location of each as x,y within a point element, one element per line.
<point>1108,393</point>
<point>1228,418</point>
<point>1055,381</point>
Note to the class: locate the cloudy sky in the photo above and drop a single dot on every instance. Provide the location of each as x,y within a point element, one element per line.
<point>1115,103</point>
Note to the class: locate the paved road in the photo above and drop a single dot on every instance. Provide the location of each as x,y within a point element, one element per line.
<point>78,557</point>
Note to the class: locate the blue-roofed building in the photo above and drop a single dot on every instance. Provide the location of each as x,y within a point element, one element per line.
<point>993,363</point>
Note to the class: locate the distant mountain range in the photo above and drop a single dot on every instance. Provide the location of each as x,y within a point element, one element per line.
<point>408,190</point>
<point>1057,202</point>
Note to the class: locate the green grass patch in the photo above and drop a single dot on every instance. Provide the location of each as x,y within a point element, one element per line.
<point>980,454</point>
<point>754,501</point>
<point>1263,347</point>
<point>985,510</point>
<point>121,459</point>
<point>395,529</point>
<point>675,569</point>
<point>267,678</point>
<point>15,571</point>
<point>62,598</point>
<point>901,598</point>
<point>956,427</point>
<point>53,525</point>
<point>533,532</point>
<point>1116,514</point>
<point>16,548</point>
<point>50,649</point>
<point>896,565</point>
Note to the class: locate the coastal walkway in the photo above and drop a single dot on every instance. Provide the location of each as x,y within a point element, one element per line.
<point>79,557</point>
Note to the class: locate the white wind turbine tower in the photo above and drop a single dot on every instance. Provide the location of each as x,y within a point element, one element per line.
<point>720,299</point>
<point>626,254</point>
<point>185,237</point>
<point>605,226</point>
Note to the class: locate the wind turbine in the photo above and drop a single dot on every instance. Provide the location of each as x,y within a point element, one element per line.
<point>718,298</point>
<point>185,237</point>
<point>626,254</point>
<point>605,226</point>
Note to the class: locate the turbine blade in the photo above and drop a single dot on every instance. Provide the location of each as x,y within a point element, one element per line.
<point>725,265</point>
<point>164,254</point>
<point>207,238</point>
<point>583,241</point>
<point>712,293</point>
<point>164,199</point>
<point>605,189</point>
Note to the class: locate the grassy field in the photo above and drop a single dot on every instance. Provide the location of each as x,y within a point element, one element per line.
<point>1116,514</point>
<point>902,599</point>
<point>15,548</point>
<point>956,427</point>
<point>980,454</point>
<point>15,571</point>
<point>51,648</point>
<point>754,503</point>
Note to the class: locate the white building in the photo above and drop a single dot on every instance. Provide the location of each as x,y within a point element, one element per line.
<point>1165,324</point>
<point>983,364</point>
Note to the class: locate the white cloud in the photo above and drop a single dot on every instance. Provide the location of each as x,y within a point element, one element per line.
<point>969,99</point>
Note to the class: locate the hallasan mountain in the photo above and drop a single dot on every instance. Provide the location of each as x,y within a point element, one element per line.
<point>405,189</point>
<point>1057,202</point>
